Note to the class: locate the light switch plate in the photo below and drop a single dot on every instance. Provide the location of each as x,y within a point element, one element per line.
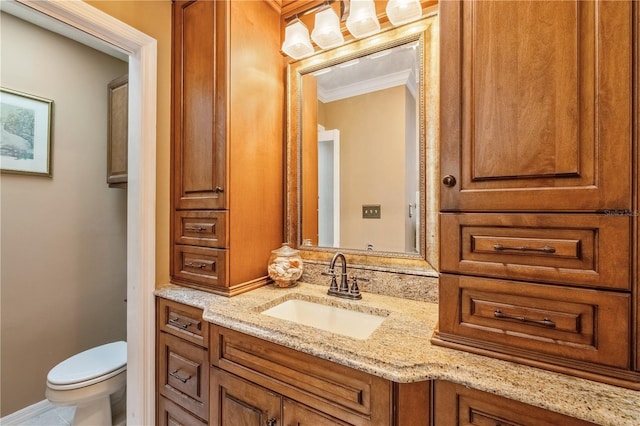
<point>371,211</point>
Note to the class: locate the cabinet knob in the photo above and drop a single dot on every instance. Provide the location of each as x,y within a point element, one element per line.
<point>272,422</point>
<point>219,189</point>
<point>449,180</point>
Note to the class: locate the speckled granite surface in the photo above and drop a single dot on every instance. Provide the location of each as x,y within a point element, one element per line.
<point>400,350</point>
<point>407,286</point>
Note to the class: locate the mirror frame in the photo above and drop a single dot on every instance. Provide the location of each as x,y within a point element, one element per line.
<point>425,31</point>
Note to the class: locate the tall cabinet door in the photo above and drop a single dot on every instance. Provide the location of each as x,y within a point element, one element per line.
<point>199,116</point>
<point>536,111</point>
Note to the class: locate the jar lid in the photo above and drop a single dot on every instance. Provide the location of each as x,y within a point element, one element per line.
<point>285,250</point>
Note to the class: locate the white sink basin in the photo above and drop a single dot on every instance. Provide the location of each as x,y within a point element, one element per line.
<point>358,325</point>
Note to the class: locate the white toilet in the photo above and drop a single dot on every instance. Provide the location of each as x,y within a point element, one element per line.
<point>95,382</point>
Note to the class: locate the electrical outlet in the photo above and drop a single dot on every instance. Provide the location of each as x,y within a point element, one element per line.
<point>371,211</point>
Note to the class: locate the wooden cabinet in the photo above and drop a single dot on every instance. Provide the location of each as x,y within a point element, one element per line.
<point>208,374</point>
<point>118,132</point>
<point>227,143</point>
<point>237,402</point>
<point>182,365</point>
<point>297,414</point>
<point>536,105</point>
<point>311,390</point>
<point>547,323</point>
<point>457,405</point>
<point>171,414</point>
<point>536,197</point>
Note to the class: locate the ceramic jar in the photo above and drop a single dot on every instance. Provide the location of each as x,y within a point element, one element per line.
<point>285,266</point>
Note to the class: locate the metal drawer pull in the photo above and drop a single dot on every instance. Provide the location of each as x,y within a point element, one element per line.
<point>177,323</point>
<point>545,249</point>
<point>545,322</point>
<point>194,265</point>
<point>175,374</point>
<point>195,228</point>
<point>272,422</point>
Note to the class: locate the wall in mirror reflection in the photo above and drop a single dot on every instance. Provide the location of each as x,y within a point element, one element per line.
<point>360,147</point>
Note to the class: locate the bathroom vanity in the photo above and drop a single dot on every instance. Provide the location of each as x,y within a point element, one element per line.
<point>536,316</point>
<point>238,363</point>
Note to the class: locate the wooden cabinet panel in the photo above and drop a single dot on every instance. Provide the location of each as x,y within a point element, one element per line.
<point>459,405</point>
<point>536,105</point>
<point>584,250</point>
<point>118,132</point>
<point>199,115</point>
<point>203,266</point>
<point>344,393</point>
<point>201,228</point>
<point>294,414</point>
<point>171,414</point>
<point>183,374</point>
<point>227,143</point>
<point>237,402</point>
<point>182,321</point>
<point>559,325</point>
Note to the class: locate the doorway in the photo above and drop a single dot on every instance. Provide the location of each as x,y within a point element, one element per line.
<point>329,188</point>
<point>81,22</point>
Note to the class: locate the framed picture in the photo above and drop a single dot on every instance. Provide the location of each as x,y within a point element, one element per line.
<point>25,133</point>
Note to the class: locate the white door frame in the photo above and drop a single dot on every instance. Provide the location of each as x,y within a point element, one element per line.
<point>141,196</point>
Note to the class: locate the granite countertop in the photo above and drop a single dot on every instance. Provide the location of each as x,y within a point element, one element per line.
<point>400,350</point>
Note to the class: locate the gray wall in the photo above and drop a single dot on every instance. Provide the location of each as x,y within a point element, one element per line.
<point>63,239</point>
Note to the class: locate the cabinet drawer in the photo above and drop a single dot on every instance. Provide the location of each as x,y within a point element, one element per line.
<point>171,414</point>
<point>183,374</point>
<point>459,405</point>
<point>587,250</point>
<point>201,228</point>
<point>350,395</point>
<point>205,266</point>
<point>577,324</point>
<point>182,321</point>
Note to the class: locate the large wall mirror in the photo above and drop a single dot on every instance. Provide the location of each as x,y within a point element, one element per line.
<point>362,150</point>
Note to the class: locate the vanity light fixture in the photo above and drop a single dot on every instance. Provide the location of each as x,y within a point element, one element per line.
<point>296,40</point>
<point>326,31</point>
<point>362,20</point>
<point>403,11</point>
<point>361,17</point>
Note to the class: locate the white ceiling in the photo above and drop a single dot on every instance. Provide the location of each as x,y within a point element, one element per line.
<point>389,68</point>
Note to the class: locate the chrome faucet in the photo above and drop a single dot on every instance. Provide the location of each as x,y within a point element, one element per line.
<point>343,290</point>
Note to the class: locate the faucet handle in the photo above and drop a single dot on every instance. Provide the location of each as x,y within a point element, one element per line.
<point>354,291</point>
<point>333,287</point>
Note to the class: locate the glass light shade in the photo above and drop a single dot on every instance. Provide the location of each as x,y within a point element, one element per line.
<point>296,40</point>
<point>362,20</point>
<point>326,31</point>
<point>403,11</point>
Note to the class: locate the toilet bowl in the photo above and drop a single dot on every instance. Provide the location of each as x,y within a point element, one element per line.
<point>95,382</point>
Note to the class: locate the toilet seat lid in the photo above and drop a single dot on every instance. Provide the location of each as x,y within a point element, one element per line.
<point>91,364</point>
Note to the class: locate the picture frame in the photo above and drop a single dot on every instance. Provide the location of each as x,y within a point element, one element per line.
<point>25,133</point>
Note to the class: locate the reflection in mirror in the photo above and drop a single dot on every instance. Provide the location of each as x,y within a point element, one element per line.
<point>361,152</point>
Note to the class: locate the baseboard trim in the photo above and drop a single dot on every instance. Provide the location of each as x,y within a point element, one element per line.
<point>20,417</point>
